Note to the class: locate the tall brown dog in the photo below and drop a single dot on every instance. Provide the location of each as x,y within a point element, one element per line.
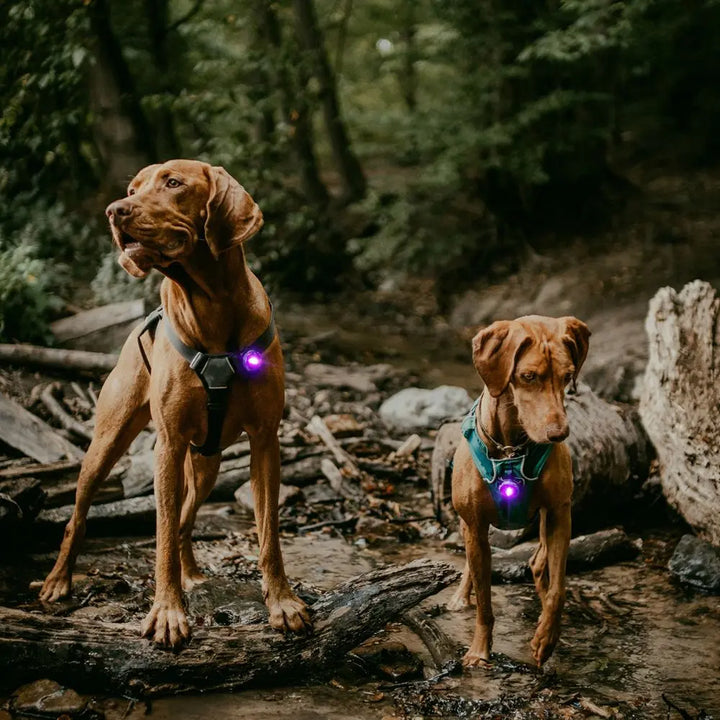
<point>189,220</point>
<point>526,365</point>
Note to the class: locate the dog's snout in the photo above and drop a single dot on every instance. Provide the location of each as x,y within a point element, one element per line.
<point>119,209</point>
<point>557,432</point>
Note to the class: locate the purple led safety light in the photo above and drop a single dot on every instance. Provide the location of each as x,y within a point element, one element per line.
<point>509,489</point>
<point>252,361</point>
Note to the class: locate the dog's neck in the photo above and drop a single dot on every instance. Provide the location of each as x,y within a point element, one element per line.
<point>499,417</point>
<point>218,300</point>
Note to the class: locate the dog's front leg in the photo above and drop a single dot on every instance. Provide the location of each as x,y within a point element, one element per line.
<point>166,622</point>
<point>558,528</point>
<point>477,549</point>
<point>287,611</point>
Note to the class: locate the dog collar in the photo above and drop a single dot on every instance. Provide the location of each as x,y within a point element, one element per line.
<point>216,371</point>
<point>510,480</point>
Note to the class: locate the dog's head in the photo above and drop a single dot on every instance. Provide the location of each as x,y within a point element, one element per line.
<point>534,358</point>
<point>172,207</point>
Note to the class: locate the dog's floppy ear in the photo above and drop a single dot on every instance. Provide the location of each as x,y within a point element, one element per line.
<point>495,352</point>
<point>577,340</point>
<point>232,215</point>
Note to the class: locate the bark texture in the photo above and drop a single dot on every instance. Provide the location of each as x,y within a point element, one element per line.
<point>111,656</point>
<point>680,402</point>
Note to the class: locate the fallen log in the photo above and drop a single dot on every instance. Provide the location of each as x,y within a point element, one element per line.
<point>111,657</point>
<point>610,455</point>
<point>442,648</point>
<point>681,399</point>
<point>90,321</point>
<point>585,553</point>
<point>57,359</point>
<point>20,429</point>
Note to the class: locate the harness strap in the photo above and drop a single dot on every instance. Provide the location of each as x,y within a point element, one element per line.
<point>524,468</point>
<point>216,373</point>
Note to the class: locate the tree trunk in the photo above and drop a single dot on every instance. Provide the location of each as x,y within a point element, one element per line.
<point>680,402</point>
<point>408,76</point>
<point>156,11</point>
<point>312,41</point>
<point>110,656</point>
<point>294,107</point>
<point>610,456</point>
<point>122,132</point>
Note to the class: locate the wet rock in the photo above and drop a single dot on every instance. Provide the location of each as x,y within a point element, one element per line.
<point>244,495</point>
<point>414,408</point>
<point>696,563</point>
<point>343,425</point>
<point>46,698</point>
<point>117,709</point>
<point>387,659</point>
<point>508,538</point>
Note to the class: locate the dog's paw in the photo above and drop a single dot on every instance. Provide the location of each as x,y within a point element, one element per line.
<point>57,585</point>
<point>191,580</point>
<point>289,614</point>
<point>459,601</point>
<point>473,659</point>
<point>166,624</point>
<point>544,641</point>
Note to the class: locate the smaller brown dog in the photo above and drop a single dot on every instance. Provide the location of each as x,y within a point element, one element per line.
<point>517,426</point>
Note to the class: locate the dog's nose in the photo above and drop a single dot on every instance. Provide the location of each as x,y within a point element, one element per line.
<point>118,209</point>
<point>557,432</point>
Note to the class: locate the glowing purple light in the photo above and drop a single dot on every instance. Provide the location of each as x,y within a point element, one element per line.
<point>252,361</point>
<point>509,490</point>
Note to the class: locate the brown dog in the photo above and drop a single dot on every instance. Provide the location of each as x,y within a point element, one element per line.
<point>189,220</point>
<point>526,364</point>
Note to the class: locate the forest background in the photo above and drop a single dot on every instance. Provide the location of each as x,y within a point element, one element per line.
<point>385,140</point>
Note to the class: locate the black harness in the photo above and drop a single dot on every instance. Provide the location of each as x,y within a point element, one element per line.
<point>216,373</point>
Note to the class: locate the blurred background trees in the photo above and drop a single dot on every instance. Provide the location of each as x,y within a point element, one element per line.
<point>381,137</point>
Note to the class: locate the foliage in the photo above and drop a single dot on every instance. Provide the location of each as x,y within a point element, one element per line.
<point>481,125</point>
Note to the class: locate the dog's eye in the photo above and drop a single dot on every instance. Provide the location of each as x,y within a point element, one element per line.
<point>528,376</point>
<point>173,183</point>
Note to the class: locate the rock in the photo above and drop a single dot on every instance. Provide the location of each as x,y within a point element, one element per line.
<point>415,408</point>
<point>343,425</point>
<point>696,563</point>
<point>505,539</point>
<point>224,601</point>
<point>244,495</point>
<point>46,698</point>
<point>378,531</point>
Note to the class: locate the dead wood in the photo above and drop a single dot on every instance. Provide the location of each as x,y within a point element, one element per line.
<point>39,469</point>
<point>60,414</point>
<point>318,427</point>
<point>111,657</point>
<point>99,318</point>
<point>31,436</point>
<point>442,648</point>
<point>681,399</point>
<point>57,359</point>
<point>120,517</point>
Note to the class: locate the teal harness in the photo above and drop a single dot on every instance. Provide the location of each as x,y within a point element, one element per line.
<point>517,474</point>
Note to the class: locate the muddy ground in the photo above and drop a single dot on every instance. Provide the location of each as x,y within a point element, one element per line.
<point>634,643</point>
